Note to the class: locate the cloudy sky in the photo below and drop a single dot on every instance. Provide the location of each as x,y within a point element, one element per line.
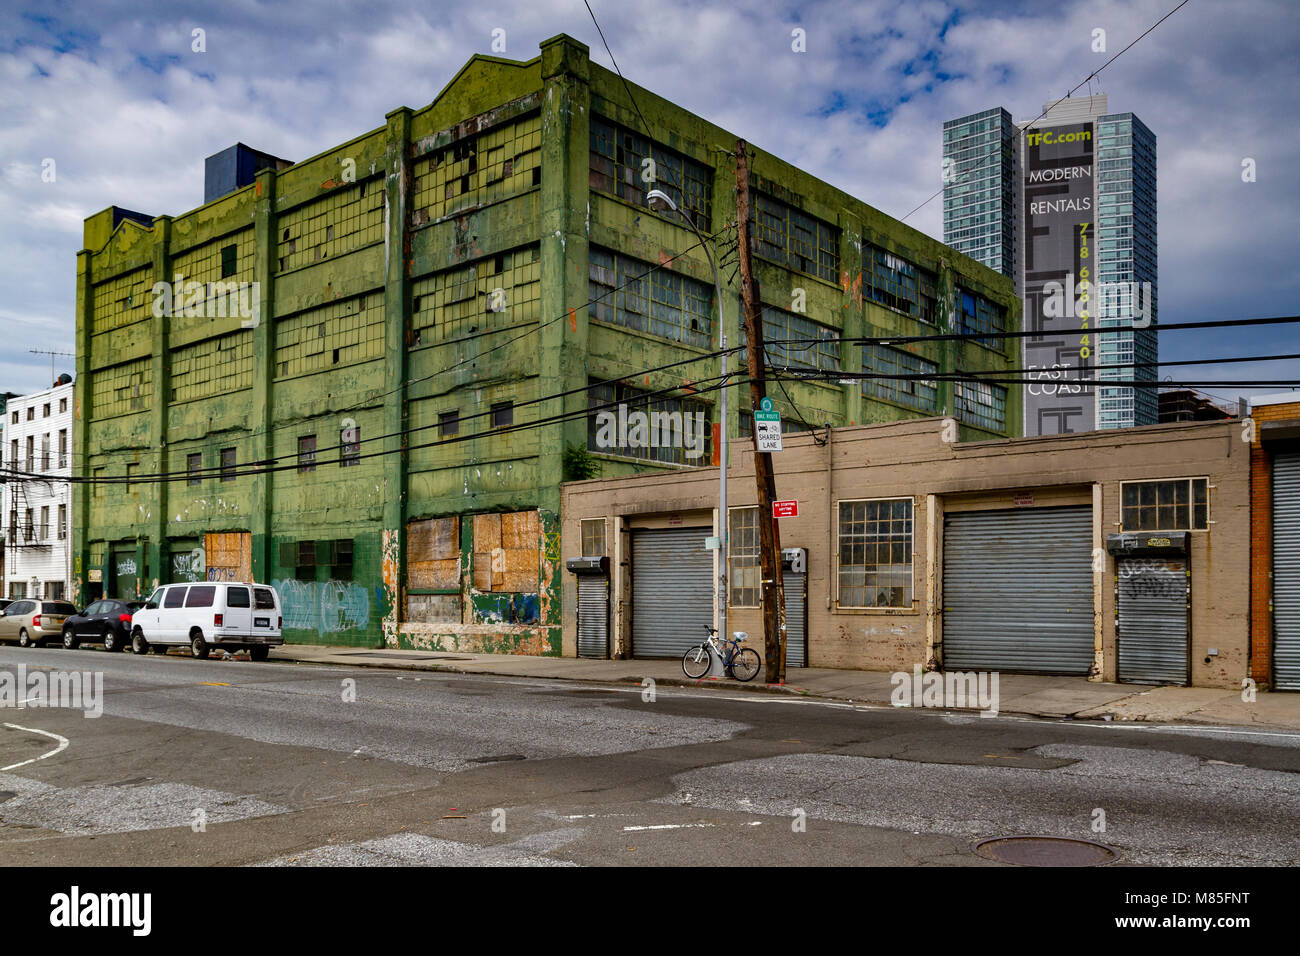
<point>115,96</point>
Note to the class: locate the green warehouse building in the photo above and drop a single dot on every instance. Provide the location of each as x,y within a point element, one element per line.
<point>338,362</point>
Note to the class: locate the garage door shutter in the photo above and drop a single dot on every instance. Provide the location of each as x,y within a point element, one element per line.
<point>1286,571</point>
<point>672,590</point>
<point>1017,591</point>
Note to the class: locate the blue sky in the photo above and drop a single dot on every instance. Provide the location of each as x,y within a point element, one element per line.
<point>115,95</point>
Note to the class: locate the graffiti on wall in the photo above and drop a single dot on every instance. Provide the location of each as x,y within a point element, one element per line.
<point>223,574</point>
<point>126,566</point>
<point>189,566</point>
<point>324,606</point>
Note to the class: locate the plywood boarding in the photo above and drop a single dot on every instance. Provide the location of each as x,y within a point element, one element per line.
<point>229,556</point>
<point>506,555</point>
<point>433,554</point>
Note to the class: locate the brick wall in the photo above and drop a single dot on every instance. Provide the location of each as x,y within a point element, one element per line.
<point>1261,542</point>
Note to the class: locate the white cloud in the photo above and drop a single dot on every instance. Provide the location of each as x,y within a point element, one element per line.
<point>128,111</point>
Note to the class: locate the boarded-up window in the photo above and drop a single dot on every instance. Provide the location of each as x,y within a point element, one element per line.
<point>433,554</point>
<point>229,556</point>
<point>506,556</point>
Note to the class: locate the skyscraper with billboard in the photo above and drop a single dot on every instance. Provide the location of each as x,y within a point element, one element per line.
<point>1066,206</point>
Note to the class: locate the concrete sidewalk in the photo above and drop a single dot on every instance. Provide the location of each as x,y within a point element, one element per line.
<point>1019,693</point>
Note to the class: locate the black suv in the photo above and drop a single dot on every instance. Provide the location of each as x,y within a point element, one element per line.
<point>106,622</point>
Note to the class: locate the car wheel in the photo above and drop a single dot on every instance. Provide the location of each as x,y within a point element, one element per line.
<point>111,642</point>
<point>23,639</point>
<point>199,647</point>
<point>258,652</point>
<point>70,641</point>
<point>138,644</point>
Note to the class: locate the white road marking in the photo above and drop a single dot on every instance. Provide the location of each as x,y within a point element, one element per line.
<point>63,745</point>
<point>670,826</point>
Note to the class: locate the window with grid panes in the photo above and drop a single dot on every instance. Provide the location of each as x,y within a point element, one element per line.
<point>351,330</point>
<point>981,404</point>
<point>593,537</point>
<point>918,393</point>
<point>350,446</point>
<point>122,300</point>
<point>817,348</point>
<point>306,453</point>
<point>979,316</point>
<point>874,547</point>
<point>617,158</point>
<point>488,166</point>
<point>123,388</point>
<point>213,367</point>
<point>669,416</point>
<point>1180,504</point>
<point>794,239</point>
<point>898,284</point>
<point>193,467</point>
<point>449,423</point>
<point>347,218</point>
<point>743,558</point>
<point>637,295</point>
<point>227,464</point>
<point>495,292</point>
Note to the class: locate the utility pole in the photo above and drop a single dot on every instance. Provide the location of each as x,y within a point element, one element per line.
<point>769,539</point>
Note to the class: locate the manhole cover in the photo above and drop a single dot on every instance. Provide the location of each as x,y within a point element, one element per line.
<point>1045,851</point>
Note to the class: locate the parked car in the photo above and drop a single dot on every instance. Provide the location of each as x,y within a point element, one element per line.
<point>34,622</point>
<point>234,614</point>
<point>106,622</point>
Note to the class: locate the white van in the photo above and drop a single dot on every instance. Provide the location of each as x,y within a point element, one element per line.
<point>212,614</point>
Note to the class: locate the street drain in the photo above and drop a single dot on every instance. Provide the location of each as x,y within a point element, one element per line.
<point>1045,851</point>
<point>498,759</point>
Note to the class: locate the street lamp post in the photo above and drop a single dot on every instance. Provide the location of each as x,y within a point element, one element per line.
<point>659,201</point>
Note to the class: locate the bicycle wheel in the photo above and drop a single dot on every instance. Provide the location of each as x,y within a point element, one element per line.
<point>695,662</point>
<point>745,664</point>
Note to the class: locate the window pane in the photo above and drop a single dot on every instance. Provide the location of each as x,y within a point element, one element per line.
<point>875,553</point>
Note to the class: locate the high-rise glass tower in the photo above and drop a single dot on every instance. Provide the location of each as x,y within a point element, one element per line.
<point>1066,206</point>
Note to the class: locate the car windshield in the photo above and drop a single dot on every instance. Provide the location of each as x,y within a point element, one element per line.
<point>57,607</point>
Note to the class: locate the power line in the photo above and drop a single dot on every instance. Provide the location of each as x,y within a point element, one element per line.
<point>217,470</point>
<point>708,385</point>
<point>530,331</point>
<point>1030,333</point>
<point>1086,80</point>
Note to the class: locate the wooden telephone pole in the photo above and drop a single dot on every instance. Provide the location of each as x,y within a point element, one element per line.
<point>769,538</point>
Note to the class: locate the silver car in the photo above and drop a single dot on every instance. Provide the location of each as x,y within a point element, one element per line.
<point>34,622</point>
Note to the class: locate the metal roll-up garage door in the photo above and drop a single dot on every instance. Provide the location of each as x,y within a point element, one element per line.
<point>1286,571</point>
<point>593,615</point>
<point>672,590</point>
<point>796,618</point>
<point>1152,606</point>
<point>1017,590</point>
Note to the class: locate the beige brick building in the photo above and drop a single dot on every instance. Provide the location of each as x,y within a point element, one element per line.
<point>1113,555</point>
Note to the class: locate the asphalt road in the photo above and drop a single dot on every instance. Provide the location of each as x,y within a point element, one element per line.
<point>213,763</point>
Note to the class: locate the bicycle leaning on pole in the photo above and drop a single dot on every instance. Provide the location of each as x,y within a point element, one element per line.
<point>740,663</point>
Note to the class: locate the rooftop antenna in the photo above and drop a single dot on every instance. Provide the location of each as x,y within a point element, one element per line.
<point>51,355</point>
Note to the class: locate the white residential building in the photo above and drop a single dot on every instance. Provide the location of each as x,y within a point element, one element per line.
<point>37,503</point>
